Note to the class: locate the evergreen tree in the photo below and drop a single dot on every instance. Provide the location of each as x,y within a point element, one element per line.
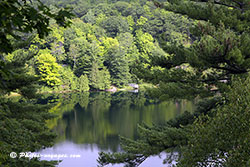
<point>22,123</point>
<point>118,67</point>
<point>105,78</point>
<point>99,79</point>
<point>83,83</point>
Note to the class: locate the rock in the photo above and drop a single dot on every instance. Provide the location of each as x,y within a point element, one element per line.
<point>112,89</point>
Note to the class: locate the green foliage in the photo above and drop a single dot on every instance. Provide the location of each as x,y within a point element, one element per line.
<point>23,129</point>
<point>133,44</point>
<point>141,21</point>
<point>83,83</point>
<point>48,69</point>
<point>117,66</point>
<point>25,17</point>
<point>120,42</point>
<point>68,78</point>
<point>224,138</point>
<point>14,75</point>
<point>99,79</point>
<point>221,49</point>
<point>115,25</point>
<point>22,122</point>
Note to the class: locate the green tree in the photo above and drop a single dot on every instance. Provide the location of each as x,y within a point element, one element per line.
<point>118,67</point>
<point>116,60</point>
<point>115,25</point>
<point>22,122</point>
<point>68,79</point>
<point>224,138</point>
<point>99,79</point>
<point>83,83</point>
<point>48,69</point>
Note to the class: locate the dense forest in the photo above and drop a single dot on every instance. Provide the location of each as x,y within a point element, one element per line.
<point>185,49</point>
<point>104,45</point>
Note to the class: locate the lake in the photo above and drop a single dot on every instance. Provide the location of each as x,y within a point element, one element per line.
<point>88,123</point>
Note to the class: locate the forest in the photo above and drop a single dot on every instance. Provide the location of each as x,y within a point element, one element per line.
<point>103,46</point>
<point>186,49</point>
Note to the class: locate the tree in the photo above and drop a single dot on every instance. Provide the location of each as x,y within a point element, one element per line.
<point>83,83</point>
<point>22,122</point>
<point>48,69</point>
<point>116,60</point>
<point>99,79</point>
<point>224,138</point>
<point>115,25</point>
<point>68,79</point>
<point>117,64</point>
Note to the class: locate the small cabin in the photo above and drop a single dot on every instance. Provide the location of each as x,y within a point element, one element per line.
<point>133,85</point>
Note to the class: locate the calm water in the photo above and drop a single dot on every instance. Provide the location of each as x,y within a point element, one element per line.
<point>92,122</point>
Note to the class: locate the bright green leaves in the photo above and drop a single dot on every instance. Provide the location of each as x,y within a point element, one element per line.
<point>141,21</point>
<point>145,44</point>
<point>131,22</point>
<point>48,69</point>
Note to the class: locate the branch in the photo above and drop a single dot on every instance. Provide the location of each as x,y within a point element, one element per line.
<point>232,71</point>
<point>220,3</point>
<point>241,4</point>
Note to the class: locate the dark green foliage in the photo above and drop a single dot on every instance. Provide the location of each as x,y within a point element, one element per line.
<point>233,14</point>
<point>115,25</point>
<point>14,77</point>
<point>22,123</point>
<point>26,17</point>
<point>221,49</point>
<point>99,79</point>
<point>118,66</point>
<point>115,41</point>
<point>224,138</point>
<point>23,130</point>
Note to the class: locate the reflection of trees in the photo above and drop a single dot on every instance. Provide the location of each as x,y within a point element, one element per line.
<point>99,117</point>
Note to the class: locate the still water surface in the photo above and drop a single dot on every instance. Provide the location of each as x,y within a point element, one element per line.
<point>92,122</point>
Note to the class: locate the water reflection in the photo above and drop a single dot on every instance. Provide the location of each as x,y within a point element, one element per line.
<point>91,122</point>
